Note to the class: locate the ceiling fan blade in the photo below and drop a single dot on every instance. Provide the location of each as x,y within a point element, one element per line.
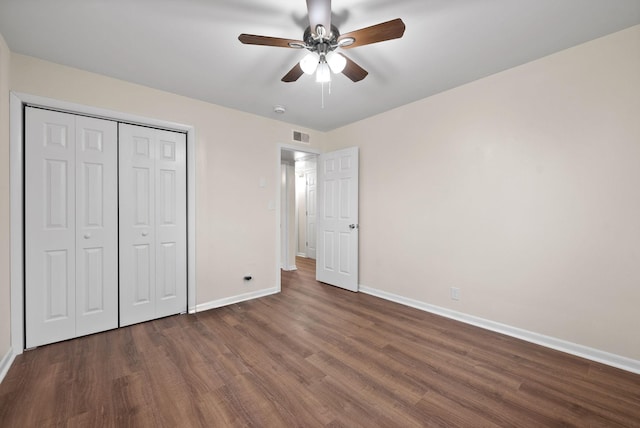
<point>252,39</point>
<point>319,14</point>
<point>389,30</point>
<point>293,74</point>
<point>353,71</point>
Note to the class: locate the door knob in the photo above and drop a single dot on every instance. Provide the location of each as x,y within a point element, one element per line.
<point>145,233</point>
<point>87,235</point>
<point>353,226</point>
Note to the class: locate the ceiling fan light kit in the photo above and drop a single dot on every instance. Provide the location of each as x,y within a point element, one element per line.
<point>321,44</point>
<point>313,62</point>
<point>336,62</point>
<point>323,74</point>
<point>309,63</point>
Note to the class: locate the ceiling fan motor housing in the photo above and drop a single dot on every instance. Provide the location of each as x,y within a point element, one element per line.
<point>314,42</point>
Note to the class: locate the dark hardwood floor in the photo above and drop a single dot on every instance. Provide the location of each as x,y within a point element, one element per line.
<point>313,355</point>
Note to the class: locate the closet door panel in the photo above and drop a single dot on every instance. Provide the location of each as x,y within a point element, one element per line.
<point>153,276</point>
<point>167,281</point>
<point>171,216</point>
<point>97,227</point>
<point>137,224</point>
<point>142,292</point>
<point>49,226</point>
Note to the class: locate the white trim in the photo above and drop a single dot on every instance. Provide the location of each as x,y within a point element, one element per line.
<point>16,244</point>
<point>582,351</point>
<point>236,299</point>
<point>290,268</point>
<point>65,106</point>
<point>6,362</point>
<point>17,102</point>
<point>278,178</point>
<point>191,219</point>
<point>296,212</point>
<point>284,220</point>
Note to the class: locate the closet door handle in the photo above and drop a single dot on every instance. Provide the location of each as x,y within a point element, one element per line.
<point>87,235</point>
<point>145,233</point>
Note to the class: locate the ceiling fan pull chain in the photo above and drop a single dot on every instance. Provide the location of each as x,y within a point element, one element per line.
<point>322,85</point>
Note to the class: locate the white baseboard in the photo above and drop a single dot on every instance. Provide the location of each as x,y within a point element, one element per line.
<point>5,363</point>
<point>592,354</point>
<point>234,299</point>
<point>290,268</point>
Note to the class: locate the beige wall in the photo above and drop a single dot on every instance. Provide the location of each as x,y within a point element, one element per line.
<point>5,296</point>
<point>234,226</point>
<point>521,189</point>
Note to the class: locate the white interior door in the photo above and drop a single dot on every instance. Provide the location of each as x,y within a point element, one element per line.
<point>312,202</point>
<point>171,223</point>
<point>337,245</point>
<point>96,225</point>
<point>49,227</point>
<point>70,226</point>
<point>153,256</point>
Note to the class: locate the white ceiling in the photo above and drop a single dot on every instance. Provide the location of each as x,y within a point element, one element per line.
<point>191,47</point>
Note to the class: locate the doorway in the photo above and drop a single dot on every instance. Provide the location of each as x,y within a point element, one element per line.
<point>337,225</point>
<point>297,206</point>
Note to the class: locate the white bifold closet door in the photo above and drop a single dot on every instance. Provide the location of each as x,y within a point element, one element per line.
<point>71,284</point>
<point>153,219</point>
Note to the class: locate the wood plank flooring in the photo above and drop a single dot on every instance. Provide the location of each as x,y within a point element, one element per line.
<point>311,356</point>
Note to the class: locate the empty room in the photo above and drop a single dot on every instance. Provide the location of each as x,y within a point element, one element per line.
<point>354,213</point>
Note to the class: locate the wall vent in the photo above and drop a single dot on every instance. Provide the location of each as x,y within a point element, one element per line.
<point>300,137</point>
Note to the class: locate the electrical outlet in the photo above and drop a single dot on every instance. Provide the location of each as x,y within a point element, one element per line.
<point>455,293</point>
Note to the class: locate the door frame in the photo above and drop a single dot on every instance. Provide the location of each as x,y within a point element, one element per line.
<point>306,201</point>
<point>17,103</point>
<point>280,148</point>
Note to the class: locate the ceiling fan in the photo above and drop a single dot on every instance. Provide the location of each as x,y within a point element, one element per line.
<point>322,39</point>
